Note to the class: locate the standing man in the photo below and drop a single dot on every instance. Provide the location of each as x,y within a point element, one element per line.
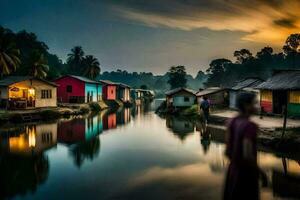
<point>204,106</point>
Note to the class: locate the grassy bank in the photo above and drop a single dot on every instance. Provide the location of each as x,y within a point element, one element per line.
<point>44,114</point>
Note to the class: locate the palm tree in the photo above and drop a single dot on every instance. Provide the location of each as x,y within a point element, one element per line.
<point>37,65</point>
<point>9,54</point>
<point>75,60</point>
<point>92,67</point>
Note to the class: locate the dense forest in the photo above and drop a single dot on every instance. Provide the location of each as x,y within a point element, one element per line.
<point>21,53</point>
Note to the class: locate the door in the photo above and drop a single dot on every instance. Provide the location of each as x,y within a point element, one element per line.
<point>279,100</point>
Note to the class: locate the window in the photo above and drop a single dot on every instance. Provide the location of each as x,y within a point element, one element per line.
<point>186,99</point>
<point>69,88</point>
<point>46,94</point>
<point>47,137</point>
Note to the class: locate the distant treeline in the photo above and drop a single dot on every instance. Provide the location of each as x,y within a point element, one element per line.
<point>224,72</point>
<point>21,53</point>
<point>159,83</point>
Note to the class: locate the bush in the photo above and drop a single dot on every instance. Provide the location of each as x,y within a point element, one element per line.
<point>49,114</point>
<point>84,109</point>
<point>193,110</point>
<point>95,107</point>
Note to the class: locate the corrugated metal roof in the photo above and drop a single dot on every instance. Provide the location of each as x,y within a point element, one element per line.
<point>282,80</point>
<point>247,83</point>
<point>123,85</point>
<point>107,82</point>
<point>176,90</point>
<point>84,79</point>
<point>210,90</point>
<point>81,78</point>
<point>9,80</point>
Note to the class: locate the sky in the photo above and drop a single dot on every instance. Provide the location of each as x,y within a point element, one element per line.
<point>152,35</point>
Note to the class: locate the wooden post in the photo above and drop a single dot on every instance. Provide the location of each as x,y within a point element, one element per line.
<point>284,120</point>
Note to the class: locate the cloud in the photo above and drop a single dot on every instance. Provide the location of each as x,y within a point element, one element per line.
<point>267,21</point>
<point>288,23</point>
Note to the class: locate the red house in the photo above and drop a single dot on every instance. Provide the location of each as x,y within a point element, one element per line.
<point>77,89</point>
<point>109,90</point>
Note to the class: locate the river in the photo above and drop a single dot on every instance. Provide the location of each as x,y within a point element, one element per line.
<point>127,154</point>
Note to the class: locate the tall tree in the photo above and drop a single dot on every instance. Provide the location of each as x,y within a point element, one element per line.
<point>75,60</point>
<point>9,54</point>
<point>37,65</point>
<point>216,71</point>
<point>292,51</point>
<point>242,55</point>
<point>92,67</point>
<point>177,77</point>
<point>292,43</point>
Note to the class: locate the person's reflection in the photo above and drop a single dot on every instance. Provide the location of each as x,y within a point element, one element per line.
<point>205,139</point>
<point>205,134</point>
<point>243,171</point>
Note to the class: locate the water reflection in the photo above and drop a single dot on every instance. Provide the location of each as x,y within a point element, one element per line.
<point>180,127</point>
<point>86,150</point>
<point>23,165</point>
<point>143,160</point>
<point>23,161</point>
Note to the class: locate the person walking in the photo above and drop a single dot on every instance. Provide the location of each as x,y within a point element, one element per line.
<point>243,172</point>
<point>204,106</point>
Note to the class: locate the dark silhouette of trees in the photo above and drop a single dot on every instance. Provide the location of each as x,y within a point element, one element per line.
<point>177,77</point>
<point>37,64</point>
<point>9,53</point>
<point>216,71</point>
<point>144,87</point>
<point>242,55</point>
<point>92,67</point>
<point>224,73</point>
<point>75,61</point>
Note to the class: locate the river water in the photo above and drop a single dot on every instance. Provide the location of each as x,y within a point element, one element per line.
<point>127,154</point>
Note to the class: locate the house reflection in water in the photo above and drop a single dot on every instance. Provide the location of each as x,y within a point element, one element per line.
<point>123,116</point>
<point>82,136</point>
<point>79,129</point>
<point>22,157</point>
<point>109,121</point>
<point>34,139</point>
<point>180,127</point>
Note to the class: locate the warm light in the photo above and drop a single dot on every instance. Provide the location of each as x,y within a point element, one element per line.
<point>31,135</point>
<point>31,91</point>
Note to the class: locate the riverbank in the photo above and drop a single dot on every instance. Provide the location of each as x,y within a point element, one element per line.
<point>270,136</point>
<point>50,113</point>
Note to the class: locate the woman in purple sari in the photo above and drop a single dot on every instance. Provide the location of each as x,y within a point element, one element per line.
<point>242,176</point>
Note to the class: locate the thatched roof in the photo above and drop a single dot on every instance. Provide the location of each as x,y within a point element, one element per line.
<point>282,80</point>
<point>176,90</point>
<point>210,90</point>
<point>9,80</point>
<point>247,83</point>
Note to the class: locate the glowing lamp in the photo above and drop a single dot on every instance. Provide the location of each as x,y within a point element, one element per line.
<point>31,91</point>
